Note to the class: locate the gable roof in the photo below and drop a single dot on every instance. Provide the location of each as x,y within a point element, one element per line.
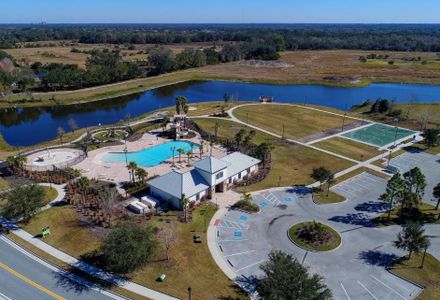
<point>239,162</point>
<point>176,183</point>
<point>211,164</point>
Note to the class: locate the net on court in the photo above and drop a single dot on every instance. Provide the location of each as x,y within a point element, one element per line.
<point>379,134</point>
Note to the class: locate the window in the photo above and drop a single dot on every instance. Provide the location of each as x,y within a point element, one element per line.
<point>219,175</point>
<point>198,196</point>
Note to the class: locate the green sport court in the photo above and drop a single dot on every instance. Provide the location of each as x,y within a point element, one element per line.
<point>379,134</point>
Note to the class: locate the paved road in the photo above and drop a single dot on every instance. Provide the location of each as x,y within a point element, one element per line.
<point>24,276</point>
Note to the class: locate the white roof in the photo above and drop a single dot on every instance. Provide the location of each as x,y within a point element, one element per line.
<point>211,164</point>
<point>176,183</point>
<point>239,162</point>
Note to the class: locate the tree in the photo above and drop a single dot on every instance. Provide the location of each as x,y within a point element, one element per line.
<point>184,201</point>
<point>161,60</point>
<point>216,127</point>
<point>132,167</point>
<point>262,152</point>
<point>249,137</point>
<point>128,247</point>
<point>239,137</point>
<point>108,197</point>
<point>141,174</point>
<point>415,181</point>
<point>181,105</point>
<point>320,174</point>
<point>180,151</point>
<point>395,187</point>
<point>432,137</point>
<point>83,184</point>
<point>330,179</point>
<point>60,133</point>
<point>285,278</point>
<point>72,124</point>
<point>436,194</point>
<point>408,200</point>
<point>23,202</point>
<point>168,237</point>
<point>412,239</point>
<point>201,149</point>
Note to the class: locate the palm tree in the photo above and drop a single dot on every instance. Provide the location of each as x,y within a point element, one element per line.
<point>330,180</point>
<point>408,200</point>
<point>83,183</point>
<point>412,238</point>
<point>216,127</point>
<point>262,152</point>
<point>320,174</point>
<point>189,154</point>
<point>201,149</point>
<point>184,204</point>
<point>141,174</point>
<point>180,151</point>
<point>436,194</point>
<point>395,187</point>
<point>132,166</point>
<point>239,137</point>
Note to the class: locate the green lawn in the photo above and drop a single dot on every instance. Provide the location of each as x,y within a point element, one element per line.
<point>349,148</point>
<point>293,164</point>
<point>303,243</point>
<point>429,276</point>
<point>4,184</point>
<point>191,264</point>
<point>322,198</point>
<point>51,194</point>
<point>427,214</point>
<point>298,122</point>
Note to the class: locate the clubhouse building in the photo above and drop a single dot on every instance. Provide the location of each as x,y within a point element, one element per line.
<point>209,176</point>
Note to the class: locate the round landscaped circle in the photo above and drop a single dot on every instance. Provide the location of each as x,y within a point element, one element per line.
<point>314,236</point>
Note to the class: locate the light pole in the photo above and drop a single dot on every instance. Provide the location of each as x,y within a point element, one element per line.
<point>395,136</point>
<point>189,293</point>
<point>343,121</point>
<point>173,149</point>
<point>389,159</point>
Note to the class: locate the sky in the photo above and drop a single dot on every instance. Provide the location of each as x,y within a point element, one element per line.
<point>220,11</point>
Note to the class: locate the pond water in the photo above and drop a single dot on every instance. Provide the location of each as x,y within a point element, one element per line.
<point>33,125</point>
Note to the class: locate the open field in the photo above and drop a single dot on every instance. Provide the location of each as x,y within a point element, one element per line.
<point>414,115</point>
<point>338,67</point>
<point>349,148</point>
<point>189,261</point>
<point>51,194</point>
<point>290,164</point>
<point>52,52</point>
<point>429,276</point>
<point>297,122</point>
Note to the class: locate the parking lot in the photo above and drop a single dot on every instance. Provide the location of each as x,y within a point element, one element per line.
<point>355,270</point>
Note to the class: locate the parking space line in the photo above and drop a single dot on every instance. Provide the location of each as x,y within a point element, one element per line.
<point>4,297</point>
<point>368,291</point>
<point>251,265</point>
<point>387,286</point>
<point>239,253</point>
<point>345,291</point>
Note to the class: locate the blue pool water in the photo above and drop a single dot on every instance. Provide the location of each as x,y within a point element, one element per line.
<point>150,157</point>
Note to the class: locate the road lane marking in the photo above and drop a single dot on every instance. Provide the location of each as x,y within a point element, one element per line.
<point>29,281</point>
<point>385,285</point>
<point>368,291</point>
<point>345,291</point>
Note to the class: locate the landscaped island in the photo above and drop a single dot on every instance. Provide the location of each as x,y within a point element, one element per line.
<point>314,236</point>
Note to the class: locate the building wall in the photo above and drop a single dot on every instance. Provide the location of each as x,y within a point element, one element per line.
<point>173,201</point>
<point>211,178</point>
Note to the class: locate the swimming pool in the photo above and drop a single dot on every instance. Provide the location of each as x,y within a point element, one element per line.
<point>150,157</point>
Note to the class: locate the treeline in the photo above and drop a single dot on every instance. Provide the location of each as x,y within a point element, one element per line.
<point>283,37</point>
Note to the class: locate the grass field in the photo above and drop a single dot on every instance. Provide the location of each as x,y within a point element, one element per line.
<point>298,122</point>
<point>51,194</point>
<point>293,164</point>
<point>320,197</point>
<point>428,277</point>
<point>338,67</point>
<point>427,214</point>
<point>349,148</point>
<point>191,264</point>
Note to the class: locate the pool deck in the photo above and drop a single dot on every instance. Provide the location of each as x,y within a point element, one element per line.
<point>94,167</point>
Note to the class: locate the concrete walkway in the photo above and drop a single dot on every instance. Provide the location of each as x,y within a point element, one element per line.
<point>94,271</point>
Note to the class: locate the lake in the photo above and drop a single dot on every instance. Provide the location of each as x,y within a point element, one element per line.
<point>33,125</point>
